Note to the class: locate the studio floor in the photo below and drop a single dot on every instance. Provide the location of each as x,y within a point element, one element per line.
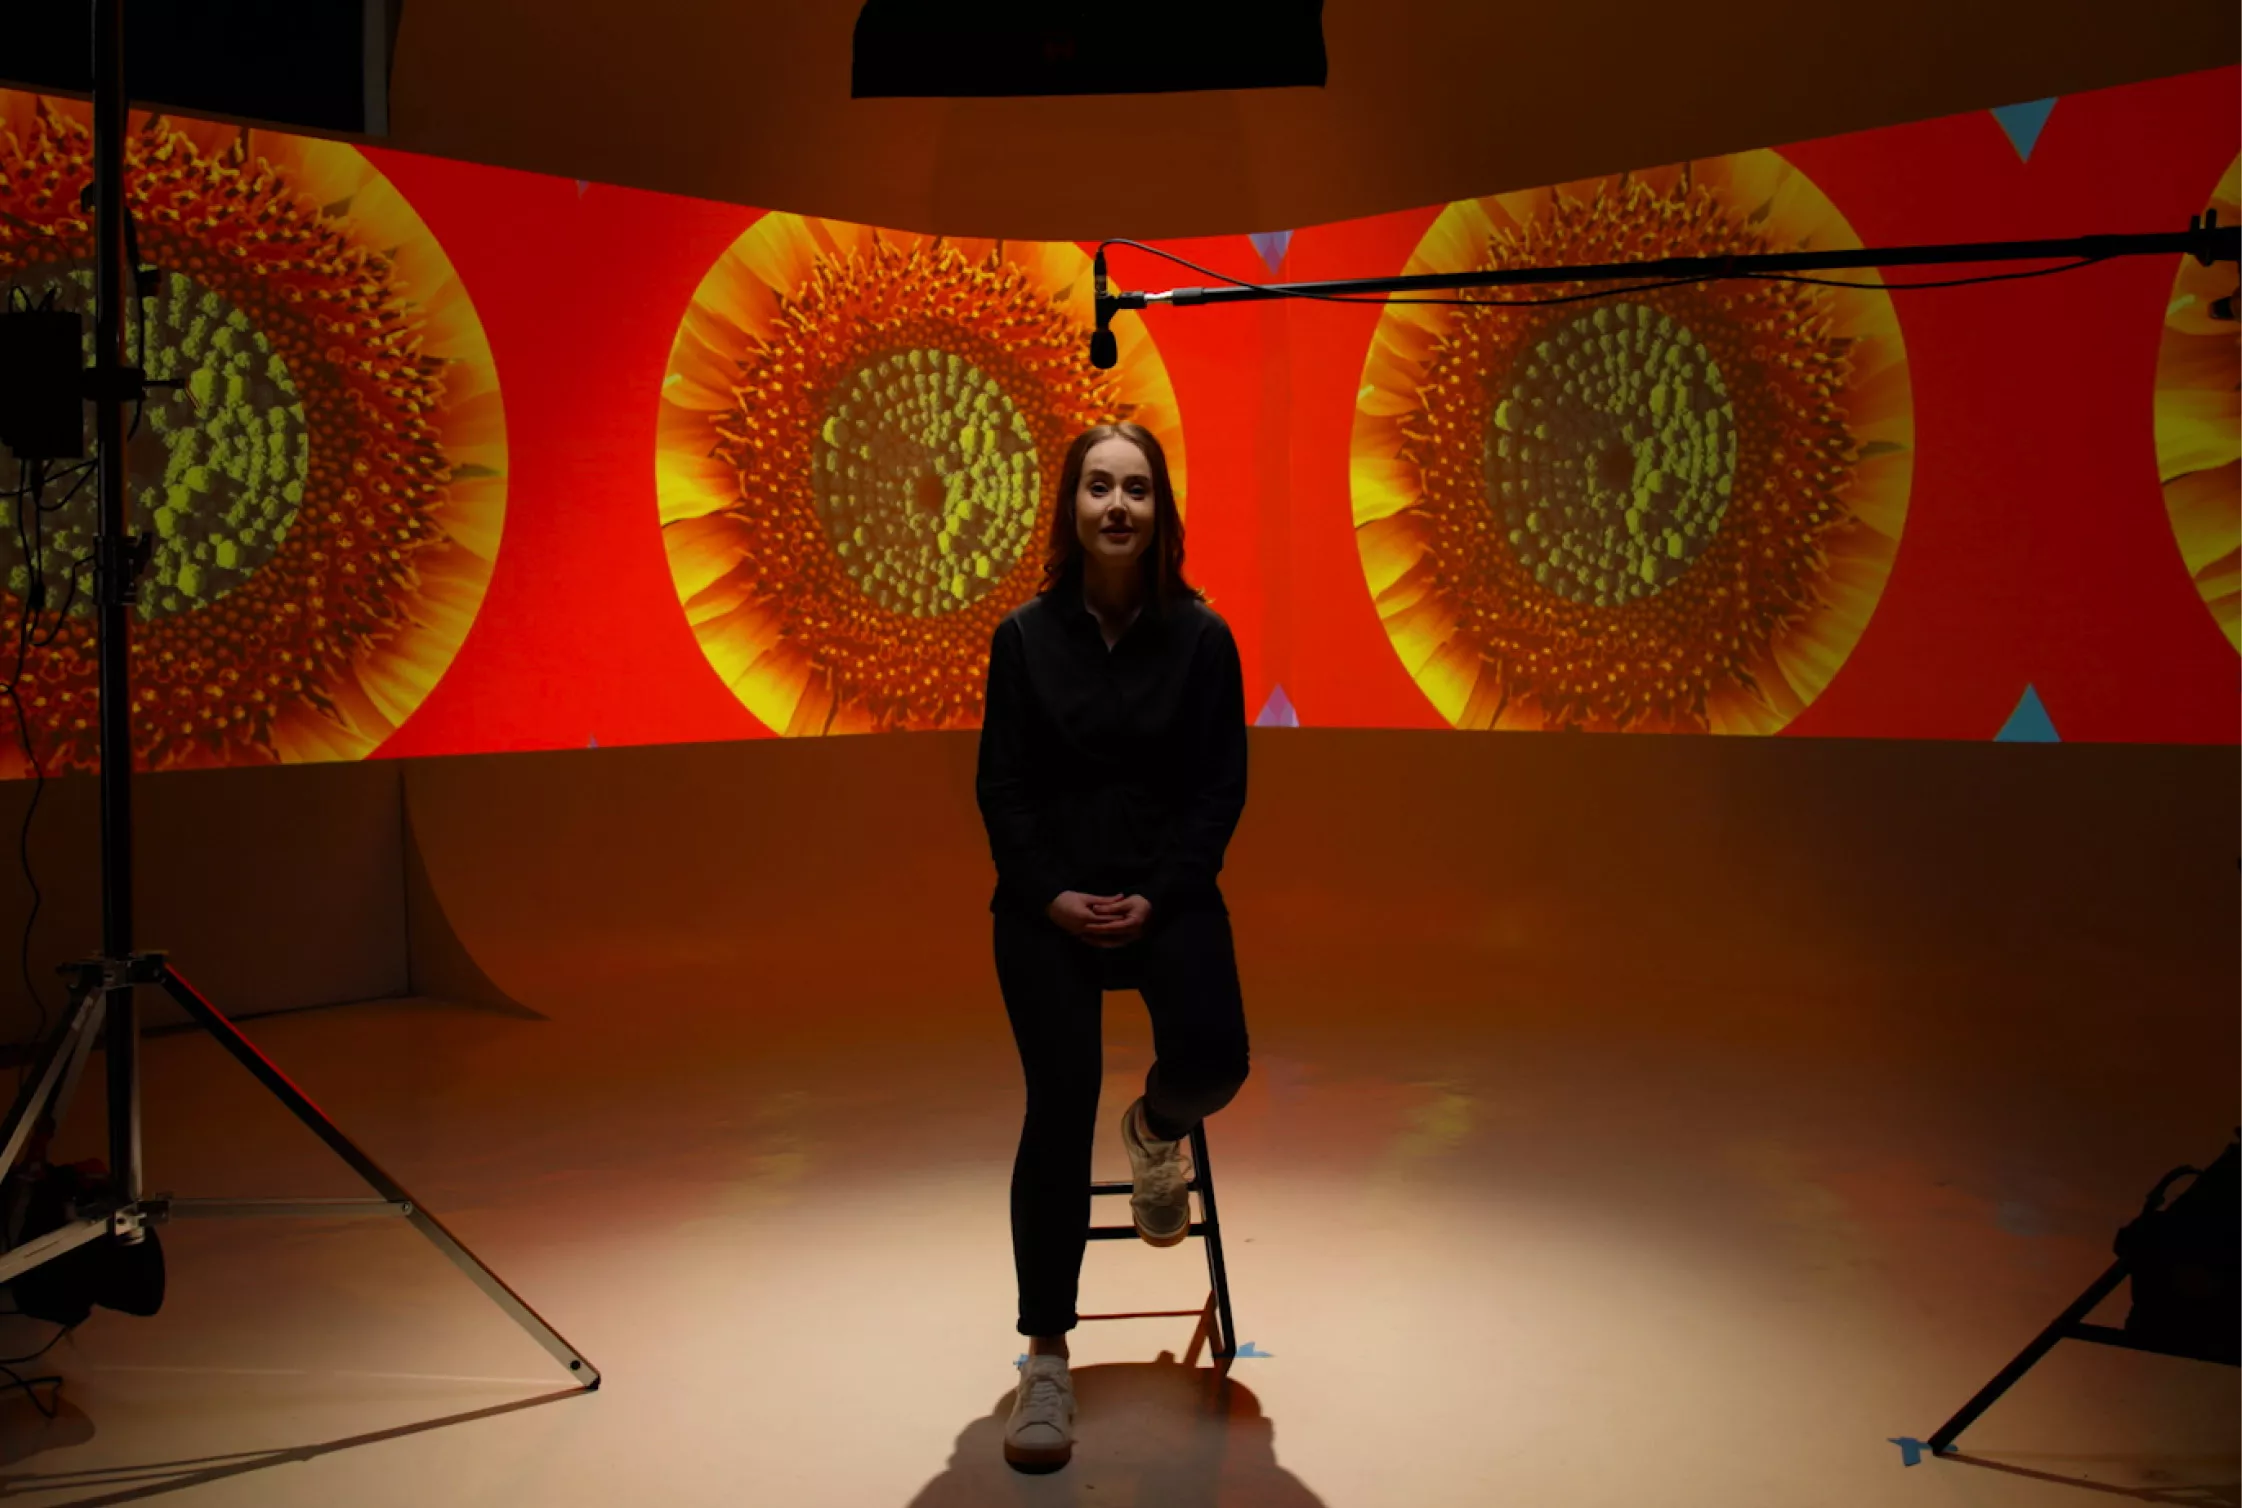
<point>1481,1255</point>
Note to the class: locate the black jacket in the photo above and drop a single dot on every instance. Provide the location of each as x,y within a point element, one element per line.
<point>1120,771</point>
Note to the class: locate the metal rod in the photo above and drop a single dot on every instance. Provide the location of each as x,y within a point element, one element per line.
<point>74,1067</point>
<point>300,1105</point>
<point>316,1209</point>
<point>59,1061</point>
<point>2063,1325</point>
<point>1097,1189</point>
<point>19,1260</point>
<point>112,288</point>
<point>2210,243</point>
<point>1131,1233</point>
<point>2110,1335</point>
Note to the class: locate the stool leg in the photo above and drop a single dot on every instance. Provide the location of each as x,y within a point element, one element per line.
<point>1218,1275</point>
<point>1202,1333</point>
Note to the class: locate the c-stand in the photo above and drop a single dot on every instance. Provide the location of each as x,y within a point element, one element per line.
<point>103,987</point>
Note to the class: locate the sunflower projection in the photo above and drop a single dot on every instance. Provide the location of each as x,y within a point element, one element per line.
<point>325,487</point>
<point>860,433</point>
<point>1667,509</point>
<point>2198,446</point>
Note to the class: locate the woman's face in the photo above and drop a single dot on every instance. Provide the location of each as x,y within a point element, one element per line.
<point>1113,506</point>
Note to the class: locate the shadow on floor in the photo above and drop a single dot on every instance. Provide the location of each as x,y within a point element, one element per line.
<point>1145,1432</point>
<point>26,1431</point>
<point>2172,1491</point>
<point>130,1484</point>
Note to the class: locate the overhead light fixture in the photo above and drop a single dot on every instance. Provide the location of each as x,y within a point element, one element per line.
<point>982,48</point>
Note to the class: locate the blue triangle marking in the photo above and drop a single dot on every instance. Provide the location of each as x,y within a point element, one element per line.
<point>2025,122</point>
<point>594,743</point>
<point>1277,712</point>
<point>2029,723</point>
<point>1910,1450</point>
<point>1254,1352</point>
<point>581,185</point>
<point>1272,244</point>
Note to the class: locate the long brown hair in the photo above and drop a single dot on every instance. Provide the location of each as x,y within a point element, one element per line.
<point>1163,562</point>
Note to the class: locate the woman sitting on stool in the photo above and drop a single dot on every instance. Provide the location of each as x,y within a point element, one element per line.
<point>1112,774</point>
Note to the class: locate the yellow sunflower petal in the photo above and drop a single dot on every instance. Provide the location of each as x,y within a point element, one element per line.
<point>327,494</point>
<point>2199,422</point>
<point>858,439</point>
<point>1668,509</point>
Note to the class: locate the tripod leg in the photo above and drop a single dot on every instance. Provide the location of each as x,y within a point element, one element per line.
<point>1990,1394</point>
<point>245,1052</point>
<point>75,1068</point>
<point>46,1092</point>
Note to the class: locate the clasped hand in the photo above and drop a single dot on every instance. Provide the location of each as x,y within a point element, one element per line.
<point>1102,921</point>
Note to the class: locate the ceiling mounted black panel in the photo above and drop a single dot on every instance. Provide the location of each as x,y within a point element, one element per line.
<point>986,48</point>
<point>315,65</point>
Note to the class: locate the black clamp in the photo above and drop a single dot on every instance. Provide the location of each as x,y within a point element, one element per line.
<point>2205,228</point>
<point>118,565</point>
<point>106,974</point>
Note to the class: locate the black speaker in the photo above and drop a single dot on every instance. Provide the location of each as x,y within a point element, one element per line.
<point>42,392</point>
<point>104,1271</point>
<point>2185,1259</point>
<point>313,65</point>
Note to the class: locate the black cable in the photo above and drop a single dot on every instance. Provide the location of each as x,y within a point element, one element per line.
<point>29,489</point>
<point>1613,291</point>
<point>32,487</point>
<point>140,353</point>
<point>36,548</point>
<point>1380,298</point>
<point>31,1385</point>
<point>55,1340</point>
<point>84,469</point>
<point>69,600</point>
<point>1276,291</point>
<point>1968,282</point>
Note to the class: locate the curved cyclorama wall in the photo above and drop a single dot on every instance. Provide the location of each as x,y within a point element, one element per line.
<point>585,493</point>
<point>805,865</point>
<point>270,889</point>
<point>2072,901</point>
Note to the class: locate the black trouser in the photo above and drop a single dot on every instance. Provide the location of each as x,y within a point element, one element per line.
<point>1053,988</point>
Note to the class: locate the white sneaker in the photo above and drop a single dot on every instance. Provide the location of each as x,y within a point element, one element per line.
<point>1040,1434</point>
<point>1160,1204</point>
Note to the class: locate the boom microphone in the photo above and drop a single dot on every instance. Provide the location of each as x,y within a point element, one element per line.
<point>1105,351</point>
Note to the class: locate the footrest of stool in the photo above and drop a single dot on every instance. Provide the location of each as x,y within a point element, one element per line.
<point>1129,1232</point>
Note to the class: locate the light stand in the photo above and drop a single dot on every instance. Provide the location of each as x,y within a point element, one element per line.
<point>103,987</point>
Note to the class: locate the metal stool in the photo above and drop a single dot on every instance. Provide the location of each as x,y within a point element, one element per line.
<point>1120,971</point>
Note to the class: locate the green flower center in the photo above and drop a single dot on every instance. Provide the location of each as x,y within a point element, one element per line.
<point>925,479</point>
<point>217,468</point>
<point>1611,459</point>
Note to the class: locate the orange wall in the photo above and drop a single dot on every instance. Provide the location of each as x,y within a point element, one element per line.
<point>2067,905</point>
<point>1838,895</point>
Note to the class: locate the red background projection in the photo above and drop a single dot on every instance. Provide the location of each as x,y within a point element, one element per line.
<point>2037,551</point>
